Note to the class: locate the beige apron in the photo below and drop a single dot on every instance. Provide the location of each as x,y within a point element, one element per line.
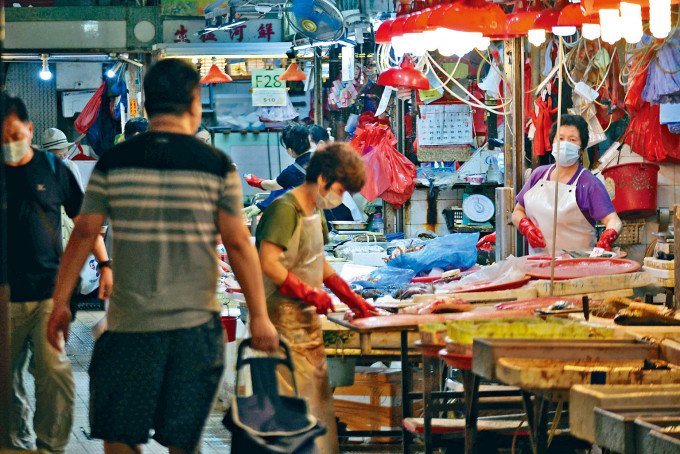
<point>299,325</point>
<point>574,231</point>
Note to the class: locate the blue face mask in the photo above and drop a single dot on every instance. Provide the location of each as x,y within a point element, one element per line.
<point>569,153</point>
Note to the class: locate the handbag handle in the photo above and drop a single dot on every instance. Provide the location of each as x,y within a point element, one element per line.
<point>287,361</point>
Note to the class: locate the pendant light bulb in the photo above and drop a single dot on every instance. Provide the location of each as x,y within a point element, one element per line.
<point>631,22</point>
<point>660,18</point>
<point>564,30</point>
<point>399,46</point>
<point>591,31</point>
<point>45,73</point>
<point>536,37</point>
<point>610,25</point>
<point>483,43</point>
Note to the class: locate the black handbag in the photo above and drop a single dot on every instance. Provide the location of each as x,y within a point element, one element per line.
<point>267,422</point>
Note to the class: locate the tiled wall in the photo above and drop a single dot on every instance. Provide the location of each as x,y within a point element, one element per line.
<point>415,211</point>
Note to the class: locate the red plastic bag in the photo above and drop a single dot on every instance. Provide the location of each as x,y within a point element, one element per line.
<point>389,174</point>
<point>89,113</point>
<point>645,134</point>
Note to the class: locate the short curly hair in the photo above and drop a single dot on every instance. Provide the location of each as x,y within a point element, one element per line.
<point>337,162</point>
<point>576,121</point>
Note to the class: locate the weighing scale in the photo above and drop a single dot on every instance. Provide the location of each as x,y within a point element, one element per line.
<point>478,209</point>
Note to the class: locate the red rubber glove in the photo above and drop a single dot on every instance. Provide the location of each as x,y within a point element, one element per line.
<point>343,291</point>
<point>487,242</point>
<point>294,287</point>
<point>254,181</point>
<point>607,238</point>
<point>531,233</point>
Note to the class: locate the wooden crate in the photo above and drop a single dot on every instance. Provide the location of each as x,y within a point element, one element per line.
<point>374,401</point>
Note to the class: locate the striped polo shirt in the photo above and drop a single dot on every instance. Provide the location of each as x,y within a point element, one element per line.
<point>162,192</point>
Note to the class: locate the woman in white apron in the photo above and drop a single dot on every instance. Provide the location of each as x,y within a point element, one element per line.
<point>582,198</point>
<point>290,241</point>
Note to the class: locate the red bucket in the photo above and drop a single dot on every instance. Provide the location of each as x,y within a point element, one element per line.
<point>632,188</point>
<point>229,325</point>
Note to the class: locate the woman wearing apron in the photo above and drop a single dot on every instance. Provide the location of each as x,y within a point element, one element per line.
<point>582,198</point>
<point>290,243</point>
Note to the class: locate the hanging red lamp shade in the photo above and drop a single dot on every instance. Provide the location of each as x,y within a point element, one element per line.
<point>384,35</point>
<point>410,26</point>
<point>572,15</point>
<point>520,22</point>
<point>293,73</point>
<point>397,28</point>
<point>436,18</point>
<point>476,16</point>
<point>546,19</point>
<point>422,21</point>
<point>404,76</point>
<point>215,76</point>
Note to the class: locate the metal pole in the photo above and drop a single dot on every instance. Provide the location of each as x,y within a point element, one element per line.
<point>513,60</point>
<point>401,148</point>
<point>535,80</point>
<point>318,89</point>
<point>5,366</point>
<point>676,252</point>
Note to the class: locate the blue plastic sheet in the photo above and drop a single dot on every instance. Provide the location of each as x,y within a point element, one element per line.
<point>458,250</point>
<point>387,278</point>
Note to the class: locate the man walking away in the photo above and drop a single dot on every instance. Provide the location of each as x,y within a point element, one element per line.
<point>159,364</point>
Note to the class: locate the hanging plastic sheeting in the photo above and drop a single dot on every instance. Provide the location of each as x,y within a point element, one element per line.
<point>389,174</point>
<point>663,80</point>
<point>119,88</point>
<point>277,113</point>
<point>658,143</point>
<point>102,132</point>
<point>89,113</point>
<point>670,116</point>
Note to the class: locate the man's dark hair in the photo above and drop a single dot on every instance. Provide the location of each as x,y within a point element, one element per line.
<point>579,123</point>
<point>337,162</point>
<point>318,133</point>
<point>14,105</point>
<point>135,125</point>
<point>170,87</point>
<point>296,137</point>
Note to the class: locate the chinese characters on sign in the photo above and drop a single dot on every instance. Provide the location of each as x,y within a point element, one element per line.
<point>181,35</point>
<point>252,31</point>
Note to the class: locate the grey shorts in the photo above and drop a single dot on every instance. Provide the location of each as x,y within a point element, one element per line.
<point>165,381</point>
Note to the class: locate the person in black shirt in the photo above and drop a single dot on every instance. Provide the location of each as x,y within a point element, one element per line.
<point>38,185</point>
<point>295,137</point>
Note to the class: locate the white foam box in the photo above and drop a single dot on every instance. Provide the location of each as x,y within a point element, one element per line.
<point>659,273</point>
<point>368,258</point>
<point>651,262</point>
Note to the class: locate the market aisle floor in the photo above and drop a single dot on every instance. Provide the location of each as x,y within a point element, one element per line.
<point>216,438</point>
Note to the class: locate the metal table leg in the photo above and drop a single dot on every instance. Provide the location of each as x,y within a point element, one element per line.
<point>537,418</point>
<point>428,383</point>
<point>471,393</point>
<point>406,386</point>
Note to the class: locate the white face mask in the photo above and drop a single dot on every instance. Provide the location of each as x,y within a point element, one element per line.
<point>14,152</point>
<point>329,201</point>
<point>568,153</point>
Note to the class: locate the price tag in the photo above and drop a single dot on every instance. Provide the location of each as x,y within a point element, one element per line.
<point>267,78</point>
<point>269,97</point>
<point>133,107</point>
<point>384,100</point>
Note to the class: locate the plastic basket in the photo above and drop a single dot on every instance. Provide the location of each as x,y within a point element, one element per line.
<point>631,233</point>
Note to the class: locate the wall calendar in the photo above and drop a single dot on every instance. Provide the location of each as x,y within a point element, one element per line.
<point>445,124</point>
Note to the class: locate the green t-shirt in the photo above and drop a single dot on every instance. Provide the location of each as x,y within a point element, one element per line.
<point>279,221</point>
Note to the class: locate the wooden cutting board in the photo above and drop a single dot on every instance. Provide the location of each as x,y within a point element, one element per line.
<point>552,374</point>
